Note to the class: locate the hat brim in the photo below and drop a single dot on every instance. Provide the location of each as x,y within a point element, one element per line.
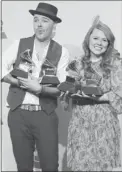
<point>54,18</point>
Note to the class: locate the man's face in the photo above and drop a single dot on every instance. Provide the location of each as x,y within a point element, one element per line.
<point>43,27</point>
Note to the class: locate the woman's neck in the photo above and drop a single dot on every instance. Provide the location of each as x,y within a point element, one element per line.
<point>94,58</point>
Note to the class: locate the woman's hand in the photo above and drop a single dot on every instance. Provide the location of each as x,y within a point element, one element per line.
<point>80,93</point>
<point>64,99</point>
<point>84,95</point>
<point>104,97</point>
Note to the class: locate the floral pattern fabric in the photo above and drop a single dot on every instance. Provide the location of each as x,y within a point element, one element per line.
<point>94,131</point>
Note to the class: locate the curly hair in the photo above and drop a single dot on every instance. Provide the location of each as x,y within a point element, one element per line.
<point>106,57</point>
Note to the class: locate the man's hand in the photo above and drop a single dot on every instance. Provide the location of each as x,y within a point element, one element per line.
<point>31,84</point>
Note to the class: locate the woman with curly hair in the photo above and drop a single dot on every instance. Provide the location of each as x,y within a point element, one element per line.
<point>94,131</point>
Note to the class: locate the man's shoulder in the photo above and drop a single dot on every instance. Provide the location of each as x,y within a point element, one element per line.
<point>55,43</point>
<point>27,38</point>
<point>62,46</point>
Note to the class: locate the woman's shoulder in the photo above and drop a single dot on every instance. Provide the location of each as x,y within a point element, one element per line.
<point>116,73</point>
<point>116,58</point>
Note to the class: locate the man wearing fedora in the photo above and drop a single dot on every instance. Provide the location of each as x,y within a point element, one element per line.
<point>32,119</point>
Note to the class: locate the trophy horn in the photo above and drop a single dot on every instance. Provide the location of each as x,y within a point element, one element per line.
<point>72,66</point>
<point>27,56</point>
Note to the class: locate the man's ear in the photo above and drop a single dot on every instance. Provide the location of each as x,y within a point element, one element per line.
<point>54,26</point>
<point>54,30</point>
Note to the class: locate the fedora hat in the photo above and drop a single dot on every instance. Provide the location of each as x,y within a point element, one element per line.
<point>47,10</point>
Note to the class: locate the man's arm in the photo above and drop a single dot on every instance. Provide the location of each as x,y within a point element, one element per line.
<point>10,80</point>
<point>8,59</point>
<point>32,84</point>
<point>50,91</point>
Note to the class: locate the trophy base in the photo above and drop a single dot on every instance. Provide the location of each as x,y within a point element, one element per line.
<point>66,86</point>
<point>90,90</point>
<point>50,80</point>
<point>19,73</point>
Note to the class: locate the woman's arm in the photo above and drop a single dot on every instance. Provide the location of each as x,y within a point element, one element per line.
<point>115,95</point>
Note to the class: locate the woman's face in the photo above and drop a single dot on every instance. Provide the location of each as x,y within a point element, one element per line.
<point>98,42</point>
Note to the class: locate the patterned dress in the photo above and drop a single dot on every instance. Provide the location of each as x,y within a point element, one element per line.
<point>94,131</point>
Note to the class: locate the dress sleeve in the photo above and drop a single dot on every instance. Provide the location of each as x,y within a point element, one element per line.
<point>115,95</point>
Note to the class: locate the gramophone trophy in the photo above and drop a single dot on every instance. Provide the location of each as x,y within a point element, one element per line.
<point>25,66</point>
<point>89,94</point>
<point>92,79</point>
<point>69,84</point>
<point>49,74</point>
<point>90,89</point>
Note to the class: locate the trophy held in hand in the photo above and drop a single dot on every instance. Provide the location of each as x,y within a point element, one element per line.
<point>92,89</point>
<point>69,84</point>
<point>49,74</point>
<point>25,66</point>
<point>89,94</point>
<point>85,94</point>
